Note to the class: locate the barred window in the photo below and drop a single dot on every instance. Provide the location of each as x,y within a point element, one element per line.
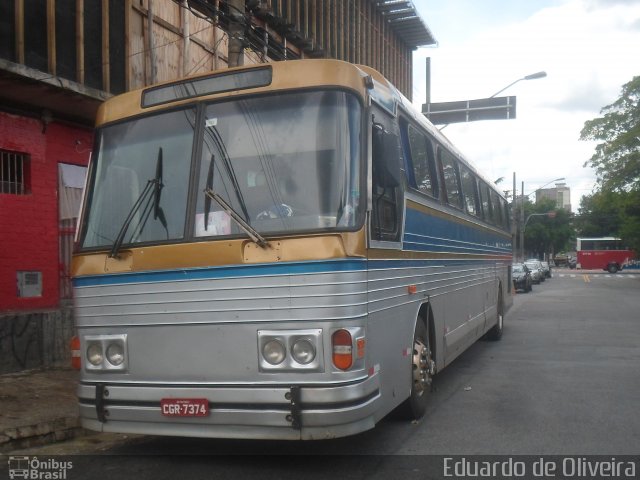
<point>14,173</point>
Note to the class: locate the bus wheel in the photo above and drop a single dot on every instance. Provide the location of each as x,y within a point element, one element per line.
<point>496,331</point>
<point>612,268</point>
<point>422,371</point>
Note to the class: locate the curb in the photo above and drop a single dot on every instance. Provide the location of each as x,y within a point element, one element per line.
<point>58,430</point>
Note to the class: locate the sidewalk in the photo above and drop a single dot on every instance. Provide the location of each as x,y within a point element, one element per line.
<point>38,407</point>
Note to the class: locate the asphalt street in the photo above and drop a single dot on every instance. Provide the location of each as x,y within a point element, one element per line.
<point>562,381</point>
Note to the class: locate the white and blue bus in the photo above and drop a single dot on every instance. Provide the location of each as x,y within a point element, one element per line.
<point>281,251</point>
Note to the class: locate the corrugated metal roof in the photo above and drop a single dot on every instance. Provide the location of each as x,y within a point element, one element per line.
<point>405,21</point>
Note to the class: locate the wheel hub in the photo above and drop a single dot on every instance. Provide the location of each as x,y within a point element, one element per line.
<point>423,367</point>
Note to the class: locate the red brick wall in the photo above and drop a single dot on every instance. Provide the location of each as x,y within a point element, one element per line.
<point>29,223</point>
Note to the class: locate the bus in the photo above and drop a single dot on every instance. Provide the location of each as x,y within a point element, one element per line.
<point>279,251</point>
<point>602,253</point>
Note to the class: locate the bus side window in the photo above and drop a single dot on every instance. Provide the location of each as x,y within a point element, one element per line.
<point>506,210</point>
<point>386,217</point>
<point>469,190</point>
<point>485,201</point>
<point>450,178</point>
<point>422,162</point>
<point>497,214</point>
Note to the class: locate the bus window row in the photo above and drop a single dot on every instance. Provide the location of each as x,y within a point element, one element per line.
<point>436,172</point>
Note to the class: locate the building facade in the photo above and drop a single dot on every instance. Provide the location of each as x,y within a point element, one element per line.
<point>561,194</point>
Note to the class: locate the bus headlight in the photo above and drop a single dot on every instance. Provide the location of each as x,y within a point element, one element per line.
<point>274,352</point>
<point>303,352</point>
<point>106,353</point>
<point>94,354</point>
<point>290,350</point>
<point>115,354</point>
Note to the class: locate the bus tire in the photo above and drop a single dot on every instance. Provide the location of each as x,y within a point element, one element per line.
<point>495,333</point>
<point>612,268</point>
<point>422,371</point>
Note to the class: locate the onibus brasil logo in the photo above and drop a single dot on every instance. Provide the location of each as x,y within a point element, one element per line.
<point>35,469</point>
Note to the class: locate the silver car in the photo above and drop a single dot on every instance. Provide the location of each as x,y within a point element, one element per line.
<point>537,274</point>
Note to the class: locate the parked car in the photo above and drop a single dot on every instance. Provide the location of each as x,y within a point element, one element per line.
<point>561,260</point>
<point>572,262</point>
<point>546,267</point>
<point>521,277</point>
<point>537,275</point>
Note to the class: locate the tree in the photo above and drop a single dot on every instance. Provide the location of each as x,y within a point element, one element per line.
<point>547,234</point>
<point>615,208</point>
<point>600,214</point>
<point>617,159</point>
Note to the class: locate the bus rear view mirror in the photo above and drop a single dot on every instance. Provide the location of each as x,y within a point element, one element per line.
<point>386,158</point>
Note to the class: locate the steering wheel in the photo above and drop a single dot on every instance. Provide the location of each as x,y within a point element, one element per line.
<point>280,210</point>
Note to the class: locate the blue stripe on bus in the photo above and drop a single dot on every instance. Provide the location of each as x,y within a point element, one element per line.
<point>419,263</point>
<point>290,268</point>
<point>425,232</point>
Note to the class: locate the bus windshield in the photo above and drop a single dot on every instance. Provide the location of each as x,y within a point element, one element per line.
<point>284,163</point>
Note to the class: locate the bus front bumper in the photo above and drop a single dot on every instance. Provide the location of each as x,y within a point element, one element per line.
<point>251,411</point>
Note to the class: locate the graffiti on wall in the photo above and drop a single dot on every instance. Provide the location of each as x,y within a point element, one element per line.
<point>35,340</point>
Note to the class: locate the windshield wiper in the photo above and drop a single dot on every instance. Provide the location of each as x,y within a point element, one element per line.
<point>226,162</point>
<point>153,186</point>
<point>158,212</point>
<point>242,223</point>
<point>248,229</point>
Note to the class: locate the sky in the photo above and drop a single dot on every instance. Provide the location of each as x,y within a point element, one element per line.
<point>589,50</point>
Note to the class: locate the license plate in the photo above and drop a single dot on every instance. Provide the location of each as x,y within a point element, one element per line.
<point>184,407</point>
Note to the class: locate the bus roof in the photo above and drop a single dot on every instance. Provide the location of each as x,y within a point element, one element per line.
<point>296,74</point>
<point>291,75</point>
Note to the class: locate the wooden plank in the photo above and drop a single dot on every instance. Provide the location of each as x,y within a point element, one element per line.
<point>320,20</point>
<point>216,43</point>
<point>313,23</point>
<point>106,70</point>
<point>51,36</point>
<point>186,33</point>
<point>80,41</point>
<point>342,55</point>
<point>151,51</point>
<point>19,20</point>
<point>127,45</point>
<point>138,62</point>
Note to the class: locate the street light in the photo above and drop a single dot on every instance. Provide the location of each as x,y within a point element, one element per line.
<point>540,188</point>
<point>522,206</point>
<point>550,214</point>
<point>533,76</point>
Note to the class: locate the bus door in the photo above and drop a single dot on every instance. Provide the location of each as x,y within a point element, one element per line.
<point>387,196</point>
<point>390,329</point>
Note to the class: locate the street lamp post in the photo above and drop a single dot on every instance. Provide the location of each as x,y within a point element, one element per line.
<point>545,214</point>
<point>522,209</point>
<point>540,188</point>
<point>533,76</point>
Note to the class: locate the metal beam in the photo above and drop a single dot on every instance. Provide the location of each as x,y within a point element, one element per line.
<point>493,108</point>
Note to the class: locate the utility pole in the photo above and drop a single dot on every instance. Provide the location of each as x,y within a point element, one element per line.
<point>522,221</point>
<point>236,32</point>
<point>514,228</point>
